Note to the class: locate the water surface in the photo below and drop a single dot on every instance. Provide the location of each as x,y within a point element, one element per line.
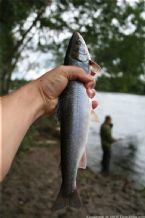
<point>128,154</point>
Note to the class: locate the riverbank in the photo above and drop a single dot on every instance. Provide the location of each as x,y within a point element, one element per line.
<point>31,186</point>
<point>128,154</point>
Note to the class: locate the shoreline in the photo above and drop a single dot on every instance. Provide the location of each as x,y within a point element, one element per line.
<point>31,187</point>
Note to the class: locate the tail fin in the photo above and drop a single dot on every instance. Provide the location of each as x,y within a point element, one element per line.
<point>72,200</point>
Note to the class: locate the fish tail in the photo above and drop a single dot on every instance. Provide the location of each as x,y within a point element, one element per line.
<point>74,200</point>
<point>71,200</point>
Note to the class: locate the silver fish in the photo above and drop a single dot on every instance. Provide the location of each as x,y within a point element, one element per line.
<point>74,116</point>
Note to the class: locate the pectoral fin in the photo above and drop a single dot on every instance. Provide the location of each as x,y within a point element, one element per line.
<point>83,160</point>
<point>94,66</point>
<point>94,116</point>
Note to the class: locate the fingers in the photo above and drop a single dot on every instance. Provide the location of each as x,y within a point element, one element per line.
<point>90,84</point>
<point>92,73</point>
<point>77,73</point>
<point>94,104</point>
<point>74,73</point>
<point>95,68</point>
<point>91,92</point>
<point>89,89</point>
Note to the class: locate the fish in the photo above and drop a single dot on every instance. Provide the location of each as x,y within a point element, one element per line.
<point>74,117</point>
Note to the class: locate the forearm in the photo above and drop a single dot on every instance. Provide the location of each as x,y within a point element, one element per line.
<point>19,110</point>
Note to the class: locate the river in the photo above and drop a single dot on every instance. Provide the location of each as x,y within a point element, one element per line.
<point>128,154</point>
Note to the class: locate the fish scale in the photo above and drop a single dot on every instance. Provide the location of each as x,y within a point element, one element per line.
<point>74,116</point>
<point>74,135</point>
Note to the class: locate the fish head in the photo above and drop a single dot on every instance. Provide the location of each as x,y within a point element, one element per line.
<point>77,54</point>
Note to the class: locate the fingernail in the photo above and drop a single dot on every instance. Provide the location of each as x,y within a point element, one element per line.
<point>94,104</point>
<point>93,73</point>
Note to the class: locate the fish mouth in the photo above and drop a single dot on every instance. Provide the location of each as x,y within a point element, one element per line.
<point>77,48</point>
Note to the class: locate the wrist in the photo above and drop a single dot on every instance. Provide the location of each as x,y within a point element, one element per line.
<point>34,100</point>
<point>47,103</point>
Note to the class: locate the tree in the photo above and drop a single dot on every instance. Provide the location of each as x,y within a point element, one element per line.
<point>13,14</point>
<point>114,33</point>
<point>116,37</point>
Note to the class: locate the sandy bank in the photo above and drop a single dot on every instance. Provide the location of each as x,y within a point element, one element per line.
<point>31,186</point>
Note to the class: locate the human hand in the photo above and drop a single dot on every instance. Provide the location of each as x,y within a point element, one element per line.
<point>52,84</point>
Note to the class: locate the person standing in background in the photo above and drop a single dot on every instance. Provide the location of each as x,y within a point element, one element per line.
<point>106,143</point>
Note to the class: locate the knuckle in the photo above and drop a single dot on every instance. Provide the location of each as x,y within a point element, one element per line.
<point>81,70</point>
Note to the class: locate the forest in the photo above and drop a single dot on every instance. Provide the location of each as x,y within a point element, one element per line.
<point>113,30</point>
